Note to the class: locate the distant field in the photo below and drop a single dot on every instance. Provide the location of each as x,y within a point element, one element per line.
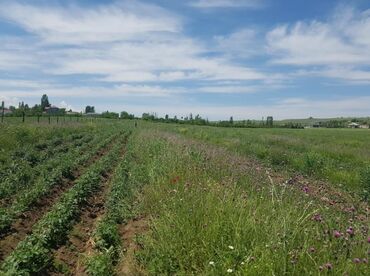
<point>340,156</point>
<point>103,197</point>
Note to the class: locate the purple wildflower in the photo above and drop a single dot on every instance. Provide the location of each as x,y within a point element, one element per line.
<point>350,231</point>
<point>356,260</point>
<point>305,189</point>
<point>337,234</point>
<point>329,266</point>
<point>317,217</point>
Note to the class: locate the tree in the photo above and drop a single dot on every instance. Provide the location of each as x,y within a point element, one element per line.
<point>89,109</point>
<point>231,120</point>
<point>270,121</point>
<point>126,115</point>
<point>44,102</point>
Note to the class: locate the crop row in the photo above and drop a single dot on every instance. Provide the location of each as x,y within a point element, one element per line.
<point>32,255</point>
<point>30,156</point>
<point>118,209</point>
<point>25,175</point>
<point>44,184</point>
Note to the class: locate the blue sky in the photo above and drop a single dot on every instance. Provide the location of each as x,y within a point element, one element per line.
<point>217,58</point>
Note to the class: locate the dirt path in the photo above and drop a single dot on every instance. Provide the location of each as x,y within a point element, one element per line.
<point>128,233</point>
<point>23,225</point>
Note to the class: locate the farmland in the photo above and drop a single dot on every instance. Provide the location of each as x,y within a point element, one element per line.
<point>104,197</point>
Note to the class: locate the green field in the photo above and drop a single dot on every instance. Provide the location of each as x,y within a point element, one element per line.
<point>102,197</point>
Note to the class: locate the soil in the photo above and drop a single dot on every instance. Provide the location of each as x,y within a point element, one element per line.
<point>129,232</point>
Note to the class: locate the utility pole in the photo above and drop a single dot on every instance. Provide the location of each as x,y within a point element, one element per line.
<point>2,111</point>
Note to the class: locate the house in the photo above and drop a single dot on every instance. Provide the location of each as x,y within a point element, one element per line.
<point>6,111</point>
<point>72,113</point>
<point>52,110</point>
<point>354,125</point>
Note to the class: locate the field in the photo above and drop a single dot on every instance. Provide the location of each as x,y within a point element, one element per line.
<point>103,197</point>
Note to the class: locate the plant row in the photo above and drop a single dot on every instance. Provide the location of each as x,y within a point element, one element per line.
<point>45,183</point>
<point>25,175</point>
<point>118,209</point>
<point>33,254</point>
<point>31,155</point>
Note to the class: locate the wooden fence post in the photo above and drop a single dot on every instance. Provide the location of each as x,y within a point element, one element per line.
<point>2,111</point>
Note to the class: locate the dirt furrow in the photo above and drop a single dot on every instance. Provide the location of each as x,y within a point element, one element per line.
<point>23,225</point>
<point>69,258</point>
<point>129,232</point>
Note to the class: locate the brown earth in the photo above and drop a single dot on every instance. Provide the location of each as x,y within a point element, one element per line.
<point>128,233</point>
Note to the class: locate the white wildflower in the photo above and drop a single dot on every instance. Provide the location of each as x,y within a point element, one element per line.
<point>231,247</point>
<point>229,270</point>
<point>212,263</point>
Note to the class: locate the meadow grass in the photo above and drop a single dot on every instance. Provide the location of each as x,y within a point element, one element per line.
<point>340,156</point>
<point>208,220</point>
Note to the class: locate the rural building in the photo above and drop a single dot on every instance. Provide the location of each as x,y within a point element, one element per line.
<point>354,125</point>
<point>52,110</point>
<point>72,113</point>
<point>6,111</point>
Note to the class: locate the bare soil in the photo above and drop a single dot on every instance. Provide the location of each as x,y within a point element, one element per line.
<point>128,232</point>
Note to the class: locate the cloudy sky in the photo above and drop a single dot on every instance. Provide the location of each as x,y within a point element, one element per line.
<point>218,58</point>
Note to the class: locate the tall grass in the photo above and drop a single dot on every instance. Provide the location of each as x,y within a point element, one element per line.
<point>207,221</point>
<point>335,155</point>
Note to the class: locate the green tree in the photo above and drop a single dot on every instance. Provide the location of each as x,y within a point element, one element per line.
<point>44,102</point>
<point>89,109</point>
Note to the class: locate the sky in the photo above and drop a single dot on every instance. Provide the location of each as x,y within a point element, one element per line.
<point>218,58</point>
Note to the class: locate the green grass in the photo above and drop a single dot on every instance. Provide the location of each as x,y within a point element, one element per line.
<point>335,155</point>
<point>206,219</point>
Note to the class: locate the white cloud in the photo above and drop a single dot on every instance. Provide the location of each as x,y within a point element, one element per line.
<point>240,44</point>
<point>227,3</point>
<point>75,25</point>
<point>65,105</point>
<point>121,42</point>
<point>337,48</point>
<point>285,109</point>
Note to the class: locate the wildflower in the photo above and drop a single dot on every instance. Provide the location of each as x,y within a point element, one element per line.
<point>368,240</point>
<point>350,231</point>
<point>242,263</point>
<point>329,266</point>
<point>231,247</point>
<point>211,263</point>
<point>229,270</point>
<point>305,189</point>
<point>312,250</point>
<point>356,260</point>
<point>317,217</point>
<point>337,234</point>
<point>364,260</point>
